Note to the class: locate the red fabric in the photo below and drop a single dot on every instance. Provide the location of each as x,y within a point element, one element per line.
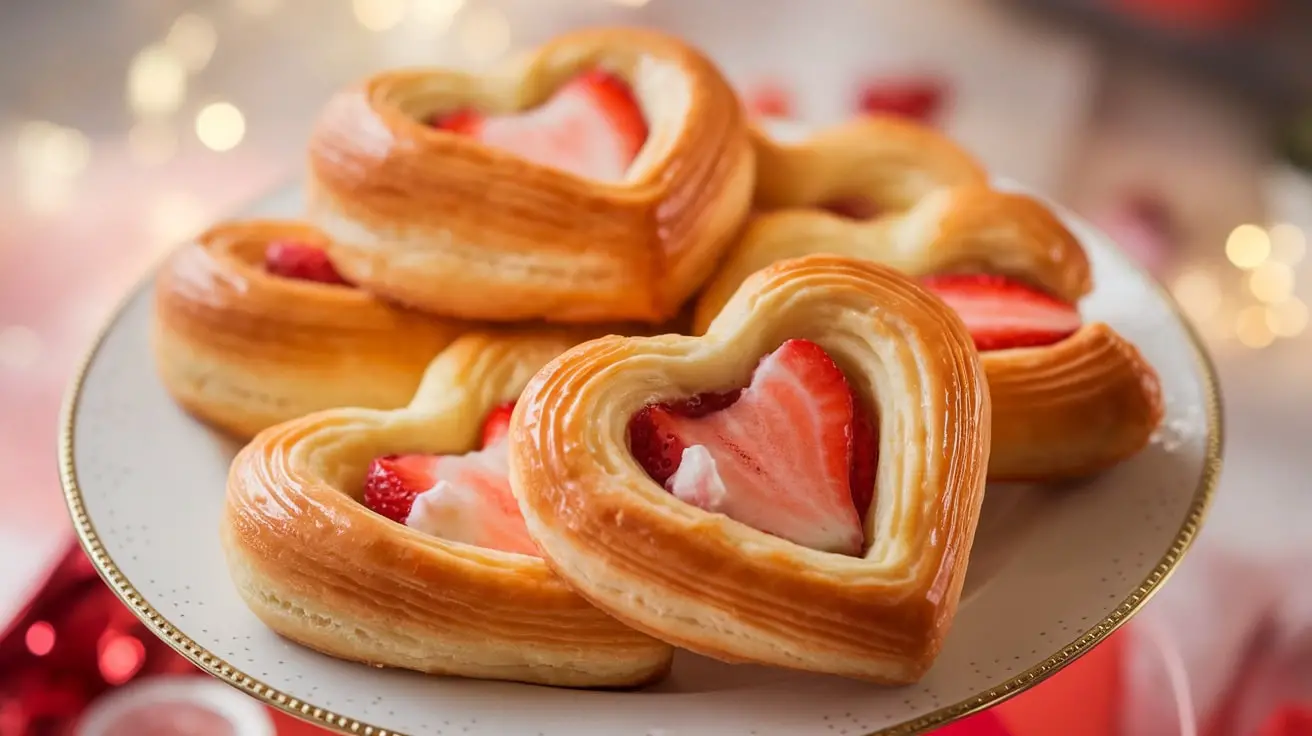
<point>981,724</point>
<point>1289,720</point>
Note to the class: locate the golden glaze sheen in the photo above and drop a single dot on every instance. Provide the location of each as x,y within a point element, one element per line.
<point>1070,409</point>
<point>886,160</point>
<point>967,228</point>
<point>450,226</point>
<point>1061,411</point>
<point>321,569</point>
<point>710,584</point>
<point>243,349</point>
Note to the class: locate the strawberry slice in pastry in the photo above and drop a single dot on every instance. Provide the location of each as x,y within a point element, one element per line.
<point>593,127</point>
<point>792,454</point>
<point>302,262</point>
<point>462,498</point>
<point>1002,313</point>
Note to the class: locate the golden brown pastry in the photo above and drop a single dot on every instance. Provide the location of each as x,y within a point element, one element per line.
<point>600,178</point>
<point>871,166</point>
<point>253,327</point>
<point>320,568</point>
<point>1069,399</point>
<point>715,581</point>
<point>961,229</point>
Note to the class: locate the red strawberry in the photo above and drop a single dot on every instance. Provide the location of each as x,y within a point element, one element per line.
<point>781,458</point>
<point>300,261</point>
<point>497,424</point>
<point>591,127</point>
<point>917,99</point>
<point>770,100</point>
<point>462,498</point>
<point>393,481</point>
<point>1002,313</point>
<point>865,458</point>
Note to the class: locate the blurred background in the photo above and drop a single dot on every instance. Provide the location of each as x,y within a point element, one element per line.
<point>1183,127</point>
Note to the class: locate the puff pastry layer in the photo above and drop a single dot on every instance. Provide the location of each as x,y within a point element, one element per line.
<point>889,162</point>
<point>1060,411</point>
<point>450,226</point>
<point>710,584</point>
<point>244,349</point>
<point>319,568</point>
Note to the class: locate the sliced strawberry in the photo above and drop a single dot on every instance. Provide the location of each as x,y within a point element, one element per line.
<point>497,424</point>
<point>865,458</point>
<point>393,482</point>
<point>471,502</point>
<point>292,260</point>
<point>462,498</point>
<point>770,100</point>
<point>591,127</point>
<point>917,99</point>
<point>780,458</point>
<point>464,122</point>
<point>1002,313</point>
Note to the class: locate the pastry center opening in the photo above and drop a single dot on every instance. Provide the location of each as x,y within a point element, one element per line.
<point>1002,313</point>
<point>462,498</point>
<point>591,127</point>
<point>792,454</point>
<point>852,207</point>
<point>299,261</point>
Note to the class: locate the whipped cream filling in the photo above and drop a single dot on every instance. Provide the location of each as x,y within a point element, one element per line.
<point>698,481</point>
<point>458,505</point>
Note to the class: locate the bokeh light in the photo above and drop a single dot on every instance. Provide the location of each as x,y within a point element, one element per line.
<point>192,39</point>
<point>220,126</point>
<point>40,638</point>
<point>435,14</point>
<point>1288,318</point>
<point>157,82</point>
<point>1248,246</point>
<point>121,657</point>
<point>1252,329</point>
<point>378,15</point>
<point>1271,282</point>
<point>1288,243</point>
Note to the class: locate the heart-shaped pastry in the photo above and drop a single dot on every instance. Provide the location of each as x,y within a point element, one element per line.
<point>1069,399</point>
<point>312,539</point>
<point>254,326</point>
<point>600,178</point>
<point>756,546</point>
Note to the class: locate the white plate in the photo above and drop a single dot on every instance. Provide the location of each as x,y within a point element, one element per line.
<point>1054,571</point>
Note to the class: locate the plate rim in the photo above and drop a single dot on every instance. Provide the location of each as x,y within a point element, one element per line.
<point>1204,493</point>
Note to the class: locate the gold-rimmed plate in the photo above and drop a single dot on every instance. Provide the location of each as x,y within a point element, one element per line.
<point>1054,570</point>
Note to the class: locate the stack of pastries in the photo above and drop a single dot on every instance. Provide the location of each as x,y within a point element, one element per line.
<point>570,365</point>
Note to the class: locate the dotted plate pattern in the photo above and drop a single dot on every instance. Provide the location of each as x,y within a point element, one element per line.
<point>1054,571</point>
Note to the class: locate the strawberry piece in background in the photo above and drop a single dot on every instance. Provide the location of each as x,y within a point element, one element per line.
<point>301,262</point>
<point>593,126</point>
<point>920,99</point>
<point>770,100</point>
<point>1002,313</point>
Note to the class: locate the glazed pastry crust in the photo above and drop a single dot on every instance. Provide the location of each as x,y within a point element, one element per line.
<point>966,228</point>
<point>321,569</point>
<point>705,582</point>
<point>889,161</point>
<point>1060,411</point>
<point>450,226</point>
<point>1071,409</point>
<point>243,349</point>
